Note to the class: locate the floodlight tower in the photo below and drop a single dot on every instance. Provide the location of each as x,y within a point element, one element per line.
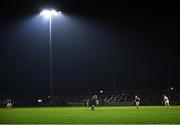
<point>49,14</point>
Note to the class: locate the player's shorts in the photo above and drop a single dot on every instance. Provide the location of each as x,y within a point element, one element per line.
<point>9,104</point>
<point>166,102</point>
<point>137,103</point>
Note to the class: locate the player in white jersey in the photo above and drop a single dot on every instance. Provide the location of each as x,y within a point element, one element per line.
<point>137,100</point>
<point>9,104</point>
<point>166,101</point>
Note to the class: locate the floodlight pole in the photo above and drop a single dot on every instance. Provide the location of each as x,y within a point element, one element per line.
<point>49,14</point>
<point>50,61</point>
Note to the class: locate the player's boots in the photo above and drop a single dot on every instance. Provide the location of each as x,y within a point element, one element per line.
<point>92,108</point>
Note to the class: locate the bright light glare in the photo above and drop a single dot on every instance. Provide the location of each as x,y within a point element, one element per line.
<point>39,100</point>
<point>49,13</point>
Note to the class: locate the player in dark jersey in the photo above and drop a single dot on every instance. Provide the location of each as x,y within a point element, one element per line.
<point>137,100</point>
<point>93,102</point>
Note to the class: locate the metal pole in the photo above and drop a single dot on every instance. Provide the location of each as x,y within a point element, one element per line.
<point>50,47</point>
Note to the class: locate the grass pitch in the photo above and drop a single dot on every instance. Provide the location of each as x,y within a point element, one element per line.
<point>83,115</point>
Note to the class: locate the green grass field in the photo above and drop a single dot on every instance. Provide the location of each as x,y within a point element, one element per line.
<point>83,115</point>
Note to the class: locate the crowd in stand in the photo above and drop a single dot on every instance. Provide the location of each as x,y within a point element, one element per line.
<point>107,98</point>
<point>127,97</point>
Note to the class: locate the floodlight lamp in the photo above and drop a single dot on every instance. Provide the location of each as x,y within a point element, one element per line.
<point>49,13</point>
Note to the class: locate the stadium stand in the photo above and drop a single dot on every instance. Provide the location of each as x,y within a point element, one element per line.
<point>125,97</point>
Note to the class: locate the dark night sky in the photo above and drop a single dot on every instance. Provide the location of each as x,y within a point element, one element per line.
<point>96,45</point>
